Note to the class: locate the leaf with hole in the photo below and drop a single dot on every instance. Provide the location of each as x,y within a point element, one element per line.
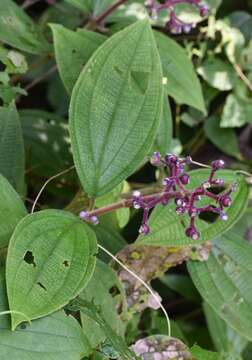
<point>51,258</point>
<point>17,29</point>
<point>116,109</point>
<point>55,336</point>
<point>12,158</point>
<point>12,210</point>
<point>168,229</point>
<point>224,281</point>
<point>73,50</point>
<point>179,74</point>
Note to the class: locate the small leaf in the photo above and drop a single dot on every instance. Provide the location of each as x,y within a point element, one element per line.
<point>224,281</point>
<point>73,50</point>
<point>56,336</point>
<point>51,258</point>
<point>168,228</point>
<point>113,115</point>
<point>11,147</point>
<point>243,21</point>
<point>236,112</point>
<point>12,210</point>
<point>180,76</point>
<point>18,30</point>
<point>224,139</point>
<point>106,292</point>
<point>218,74</point>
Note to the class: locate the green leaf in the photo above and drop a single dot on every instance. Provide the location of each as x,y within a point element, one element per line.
<point>226,340</point>
<point>72,51</point>
<point>106,292</point>
<point>218,74</point>
<point>168,228</point>
<point>236,112</point>
<point>18,30</point>
<point>94,6</point>
<point>51,257</point>
<point>118,343</point>
<point>202,354</point>
<point>46,140</point>
<point>11,147</point>
<point>224,139</point>
<point>164,135</point>
<point>56,336</point>
<point>179,75</point>
<point>243,21</point>
<point>12,210</point>
<point>116,108</point>
<point>224,281</point>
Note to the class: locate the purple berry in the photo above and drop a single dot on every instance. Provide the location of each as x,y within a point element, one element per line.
<point>185,179</point>
<point>218,164</point>
<point>171,159</point>
<point>188,160</point>
<point>156,159</point>
<point>136,205</point>
<point>192,232</point>
<point>84,215</point>
<point>219,182</point>
<point>204,10</point>
<point>94,220</point>
<point>223,216</point>
<point>179,202</point>
<point>180,210</point>
<point>187,28</point>
<point>144,229</point>
<point>226,201</point>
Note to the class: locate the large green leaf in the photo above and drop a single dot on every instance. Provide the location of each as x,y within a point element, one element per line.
<point>73,50</point>
<point>51,258</point>
<point>18,30</point>
<point>116,109</point>
<point>224,281</point>
<point>11,147</point>
<point>46,141</point>
<point>224,139</point>
<point>12,210</point>
<point>180,76</point>
<point>168,228</point>
<point>53,337</point>
<point>106,292</point>
<point>226,340</point>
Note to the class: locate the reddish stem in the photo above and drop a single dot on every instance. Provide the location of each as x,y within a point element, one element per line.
<point>99,19</point>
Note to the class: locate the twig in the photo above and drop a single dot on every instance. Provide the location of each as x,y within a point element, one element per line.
<point>143,283</point>
<point>99,19</point>
<point>242,76</point>
<point>127,203</point>
<point>46,183</point>
<point>41,78</point>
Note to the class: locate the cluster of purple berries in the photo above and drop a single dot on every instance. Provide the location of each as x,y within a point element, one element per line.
<point>176,25</point>
<point>185,200</point>
<point>174,187</point>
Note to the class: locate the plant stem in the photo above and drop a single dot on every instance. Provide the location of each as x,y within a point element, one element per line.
<point>242,76</point>
<point>129,203</point>
<point>99,19</point>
